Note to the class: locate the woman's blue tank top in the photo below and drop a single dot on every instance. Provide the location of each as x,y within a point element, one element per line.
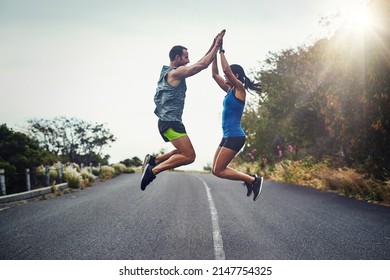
<point>231,115</point>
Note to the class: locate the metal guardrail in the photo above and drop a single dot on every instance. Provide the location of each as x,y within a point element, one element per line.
<point>33,193</point>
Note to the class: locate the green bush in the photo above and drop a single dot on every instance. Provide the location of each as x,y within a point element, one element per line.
<point>53,174</point>
<point>129,170</point>
<point>96,171</point>
<point>107,172</point>
<point>119,168</point>
<point>87,178</point>
<point>72,177</point>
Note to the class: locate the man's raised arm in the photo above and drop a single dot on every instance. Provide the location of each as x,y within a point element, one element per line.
<point>188,71</point>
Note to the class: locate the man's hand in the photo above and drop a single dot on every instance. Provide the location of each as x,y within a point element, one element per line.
<point>219,38</point>
<point>217,42</point>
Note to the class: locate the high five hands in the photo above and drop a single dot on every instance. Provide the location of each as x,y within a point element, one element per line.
<point>219,39</point>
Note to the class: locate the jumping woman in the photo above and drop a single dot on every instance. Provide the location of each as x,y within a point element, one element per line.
<point>235,85</point>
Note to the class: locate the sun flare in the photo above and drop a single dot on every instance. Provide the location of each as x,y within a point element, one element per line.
<point>358,17</point>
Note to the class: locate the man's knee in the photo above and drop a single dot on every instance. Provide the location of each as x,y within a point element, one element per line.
<point>191,157</point>
<point>184,147</point>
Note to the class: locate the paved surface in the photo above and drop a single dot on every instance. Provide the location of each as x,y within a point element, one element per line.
<point>194,216</point>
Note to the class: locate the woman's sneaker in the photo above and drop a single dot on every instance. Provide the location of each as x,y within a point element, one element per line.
<point>257,186</point>
<point>250,186</point>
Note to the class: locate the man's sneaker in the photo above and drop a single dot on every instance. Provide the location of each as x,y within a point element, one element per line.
<point>250,186</point>
<point>149,159</point>
<point>257,186</point>
<point>147,176</point>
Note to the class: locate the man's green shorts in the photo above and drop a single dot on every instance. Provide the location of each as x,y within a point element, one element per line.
<point>171,130</point>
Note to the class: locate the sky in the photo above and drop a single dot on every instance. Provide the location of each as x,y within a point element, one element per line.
<point>99,61</point>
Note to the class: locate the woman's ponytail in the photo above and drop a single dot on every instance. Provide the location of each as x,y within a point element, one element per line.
<point>249,84</point>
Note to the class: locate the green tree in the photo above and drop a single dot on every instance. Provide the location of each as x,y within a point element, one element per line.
<point>358,101</point>
<point>135,161</point>
<point>18,152</point>
<point>291,113</point>
<point>73,139</point>
<point>328,99</point>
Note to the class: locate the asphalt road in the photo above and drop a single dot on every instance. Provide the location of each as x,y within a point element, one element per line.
<point>183,216</point>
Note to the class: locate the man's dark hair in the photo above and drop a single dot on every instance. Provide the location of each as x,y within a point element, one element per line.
<point>176,50</point>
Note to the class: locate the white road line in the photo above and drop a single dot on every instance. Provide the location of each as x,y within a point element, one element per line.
<point>217,237</point>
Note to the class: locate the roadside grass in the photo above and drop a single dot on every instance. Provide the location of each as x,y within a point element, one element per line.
<point>344,181</point>
<point>85,177</point>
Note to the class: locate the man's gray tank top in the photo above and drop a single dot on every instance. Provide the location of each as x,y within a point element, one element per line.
<point>169,100</point>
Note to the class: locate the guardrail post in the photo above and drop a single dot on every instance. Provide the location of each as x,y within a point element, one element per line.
<point>47,175</point>
<point>2,182</point>
<point>90,167</point>
<point>28,183</point>
<point>60,171</point>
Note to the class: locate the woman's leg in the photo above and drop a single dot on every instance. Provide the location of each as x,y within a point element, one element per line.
<point>222,158</point>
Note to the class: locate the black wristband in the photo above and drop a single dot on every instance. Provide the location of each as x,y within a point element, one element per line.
<point>221,51</point>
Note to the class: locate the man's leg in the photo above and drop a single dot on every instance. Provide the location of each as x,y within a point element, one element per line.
<point>156,160</point>
<point>183,155</point>
<point>160,159</point>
